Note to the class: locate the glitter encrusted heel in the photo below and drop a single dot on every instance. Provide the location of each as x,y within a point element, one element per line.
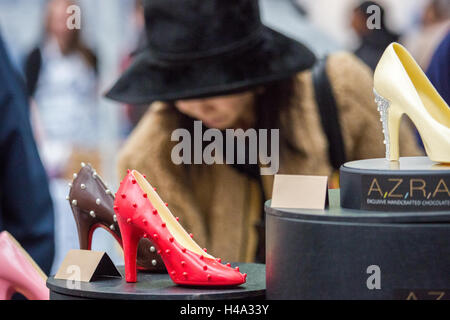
<point>390,118</point>
<point>401,87</point>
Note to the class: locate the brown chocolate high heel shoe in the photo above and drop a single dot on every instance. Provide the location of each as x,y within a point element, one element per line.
<point>92,205</point>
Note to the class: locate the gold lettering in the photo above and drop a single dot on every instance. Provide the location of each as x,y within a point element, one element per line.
<point>439,294</point>
<point>391,194</point>
<point>375,182</point>
<point>412,187</point>
<point>441,182</point>
<point>412,296</point>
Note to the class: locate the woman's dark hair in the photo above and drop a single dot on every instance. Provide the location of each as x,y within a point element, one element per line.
<point>33,61</point>
<point>75,43</point>
<point>270,106</point>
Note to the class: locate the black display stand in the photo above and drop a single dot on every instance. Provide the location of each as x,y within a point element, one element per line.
<point>341,253</point>
<point>153,286</point>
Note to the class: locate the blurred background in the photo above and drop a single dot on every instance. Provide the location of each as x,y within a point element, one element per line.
<point>66,72</point>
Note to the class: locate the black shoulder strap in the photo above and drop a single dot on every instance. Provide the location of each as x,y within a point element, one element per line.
<point>329,113</point>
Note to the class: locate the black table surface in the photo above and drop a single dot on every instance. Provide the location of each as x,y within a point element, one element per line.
<point>154,286</point>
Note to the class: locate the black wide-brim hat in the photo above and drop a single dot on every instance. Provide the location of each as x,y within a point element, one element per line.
<point>202,48</point>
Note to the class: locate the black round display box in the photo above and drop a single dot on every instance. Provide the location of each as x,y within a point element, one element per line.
<point>386,235</point>
<point>333,253</point>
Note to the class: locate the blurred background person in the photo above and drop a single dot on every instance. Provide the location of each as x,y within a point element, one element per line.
<point>439,69</point>
<point>26,209</point>
<point>61,77</point>
<point>423,43</point>
<point>434,26</point>
<point>373,41</point>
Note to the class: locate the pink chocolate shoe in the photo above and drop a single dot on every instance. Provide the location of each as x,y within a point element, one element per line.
<point>18,272</point>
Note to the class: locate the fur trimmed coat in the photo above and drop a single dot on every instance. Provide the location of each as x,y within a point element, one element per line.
<point>220,205</point>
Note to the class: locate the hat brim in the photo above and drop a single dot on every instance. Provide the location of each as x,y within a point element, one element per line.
<point>147,80</point>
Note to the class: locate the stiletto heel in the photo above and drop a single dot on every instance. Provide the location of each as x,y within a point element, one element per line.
<point>6,290</point>
<point>92,207</point>
<point>401,87</point>
<point>142,213</point>
<point>84,227</point>
<point>393,143</point>
<point>131,239</point>
<point>18,272</point>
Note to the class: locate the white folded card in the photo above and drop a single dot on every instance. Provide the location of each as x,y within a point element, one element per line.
<point>299,192</point>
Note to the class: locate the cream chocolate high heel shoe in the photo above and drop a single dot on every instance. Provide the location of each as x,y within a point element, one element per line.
<point>401,87</point>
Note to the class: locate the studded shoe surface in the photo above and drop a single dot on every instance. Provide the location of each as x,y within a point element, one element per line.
<point>18,272</point>
<point>92,206</point>
<point>401,87</point>
<point>142,214</point>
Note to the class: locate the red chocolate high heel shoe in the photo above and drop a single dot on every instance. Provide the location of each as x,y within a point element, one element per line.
<point>142,214</point>
<point>19,272</point>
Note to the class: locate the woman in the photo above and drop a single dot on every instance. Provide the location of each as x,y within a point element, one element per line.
<point>26,208</point>
<point>373,41</point>
<point>62,79</point>
<point>439,69</point>
<point>214,61</point>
